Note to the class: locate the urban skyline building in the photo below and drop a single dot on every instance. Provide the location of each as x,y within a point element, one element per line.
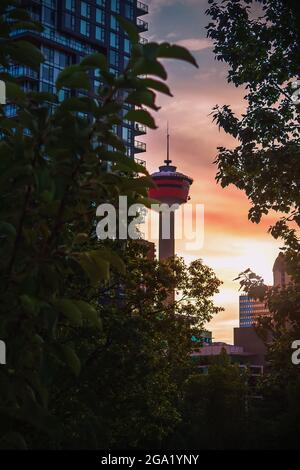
<point>280,275</point>
<point>250,308</point>
<point>73,29</point>
<point>205,356</point>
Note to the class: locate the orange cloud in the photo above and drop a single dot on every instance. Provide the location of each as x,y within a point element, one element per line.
<point>232,243</point>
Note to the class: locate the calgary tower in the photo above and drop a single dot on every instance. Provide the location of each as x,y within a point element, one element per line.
<point>171,187</point>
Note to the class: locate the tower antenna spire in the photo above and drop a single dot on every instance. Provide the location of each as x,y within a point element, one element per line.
<point>168,161</point>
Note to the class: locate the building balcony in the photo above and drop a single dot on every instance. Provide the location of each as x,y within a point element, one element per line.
<point>28,3</point>
<point>140,162</point>
<point>51,35</point>
<point>140,129</point>
<point>139,147</point>
<point>142,8</point>
<point>143,40</point>
<point>142,25</point>
<point>21,72</point>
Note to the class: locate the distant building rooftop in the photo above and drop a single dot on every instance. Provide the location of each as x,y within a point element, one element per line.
<point>215,349</point>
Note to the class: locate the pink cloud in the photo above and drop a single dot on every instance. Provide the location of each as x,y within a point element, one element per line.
<point>195,44</point>
<point>156,5</point>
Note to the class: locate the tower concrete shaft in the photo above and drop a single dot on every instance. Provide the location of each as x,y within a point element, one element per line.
<point>166,243</point>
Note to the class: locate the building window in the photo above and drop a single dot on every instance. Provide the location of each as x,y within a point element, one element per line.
<point>100,3</point>
<point>50,3</point>
<point>129,12</point>
<point>84,28</point>
<point>97,84</point>
<point>127,46</point>
<point>63,59</point>
<point>99,33</point>
<point>126,134</point>
<point>47,87</point>
<point>129,152</point>
<point>69,21</point>
<point>63,94</point>
<point>100,17</point>
<point>70,5</point>
<point>49,16</point>
<point>113,71</point>
<point>114,24</point>
<point>114,58</point>
<point>47,73</point>
<point>115,6</point>
<point>114,40</point>
<point>85,9</point>
<point>48,54</point>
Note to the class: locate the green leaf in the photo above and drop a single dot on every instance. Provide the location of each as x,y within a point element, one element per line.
<point>129,28</point>
<point>72,359</point>
<point>42,97</point>
<point>108,109</point>
<point>69,309</point>
<point>112,258</point>
<point>7,230</point>
<point>156,85</point>
<point>28,25</point>
<point>82,104</point>
<point>7,125</point>
<point>128,164</point>
<point>150,67</point>
<point>168,51</point>
<point>145,97</point>
<point>125,161</point>
<point>141,116</point>
<point>113,140</point>
<point>143,182</point>
<point>96,268</point>
<point>89,313</point>
<point>14,92</point>
<point>73,77</point>
<point>101,263</point>
<point>13,441</point>
<point>81,238</point>
<point>30,305</point>
<point>95,61</point>
<point>19,14</point>
<point>25,53</point>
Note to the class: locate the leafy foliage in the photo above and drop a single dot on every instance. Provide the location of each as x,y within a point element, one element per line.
<point>260,42</point>
<point>134,371</point>
<point>278,412</point>
<point>215,407</point>
<point>86,365</point>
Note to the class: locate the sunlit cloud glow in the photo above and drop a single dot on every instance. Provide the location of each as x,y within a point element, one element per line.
<point>195,44</point>
<point>231,242</point>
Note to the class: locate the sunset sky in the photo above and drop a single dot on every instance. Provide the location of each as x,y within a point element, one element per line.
<point>232,243</point>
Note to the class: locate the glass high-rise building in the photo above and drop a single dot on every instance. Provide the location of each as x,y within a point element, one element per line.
<point>250,310</point>
<point>73,29</point>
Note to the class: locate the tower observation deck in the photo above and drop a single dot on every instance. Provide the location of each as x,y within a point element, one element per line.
<point>171,187</point>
